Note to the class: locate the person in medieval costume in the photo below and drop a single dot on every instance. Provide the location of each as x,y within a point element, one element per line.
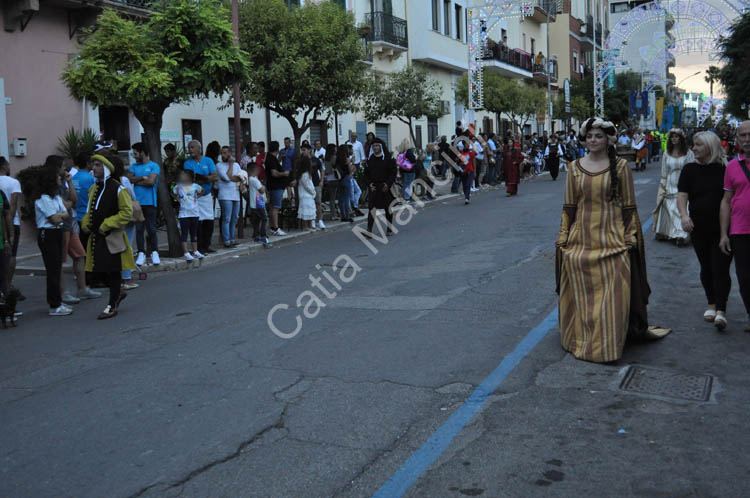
<point>601,265</point>
<point>380,174</point>
<point>667,224</point>
<point>108,250</point>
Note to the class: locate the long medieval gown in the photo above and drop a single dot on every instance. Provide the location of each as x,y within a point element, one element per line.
<point>667,224</point>
<point>512,159</point>
<point>601,270</point>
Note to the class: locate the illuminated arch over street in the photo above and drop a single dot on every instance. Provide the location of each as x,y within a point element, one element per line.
<point>707,24</point>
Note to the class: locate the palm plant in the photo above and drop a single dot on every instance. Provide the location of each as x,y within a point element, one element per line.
<point>73,143</point>
<point>712,75</point>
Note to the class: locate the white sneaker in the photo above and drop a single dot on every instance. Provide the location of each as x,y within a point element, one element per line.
<point>141,259</point>
<point>280,232</point>
<point>60,311</point>
<point>321,225</point>
<point>198,255</point>
<point>188,257</point>
<point>88,293</point>
<point>69,298</point>
<point>155,258</point>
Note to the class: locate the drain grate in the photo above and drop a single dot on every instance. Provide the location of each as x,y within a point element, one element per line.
<point>667,384</point>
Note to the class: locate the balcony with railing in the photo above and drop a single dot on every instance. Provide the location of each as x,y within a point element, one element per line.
<point>509,62</point>
<point>541,8</point>
<point>542,67</point>
<point>387,35</point>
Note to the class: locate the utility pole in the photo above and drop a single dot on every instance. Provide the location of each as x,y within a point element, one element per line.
<point>550,3</point>
<point>237,126</point>
<point>596,72</point>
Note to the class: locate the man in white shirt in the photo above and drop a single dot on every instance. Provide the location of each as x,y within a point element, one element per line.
<point>12,190</point>
<point>229,195</point>
<point>358,151</point>
<point>320,151</point>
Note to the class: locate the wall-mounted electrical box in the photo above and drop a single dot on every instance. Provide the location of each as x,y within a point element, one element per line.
<point>18,147</point>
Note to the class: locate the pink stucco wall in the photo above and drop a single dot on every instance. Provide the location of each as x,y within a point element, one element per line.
<point>30,62</point>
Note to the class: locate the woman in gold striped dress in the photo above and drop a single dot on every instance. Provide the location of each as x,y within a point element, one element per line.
<point>601,271</point>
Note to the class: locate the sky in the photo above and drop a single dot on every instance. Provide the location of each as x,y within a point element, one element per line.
<point>688,64</point>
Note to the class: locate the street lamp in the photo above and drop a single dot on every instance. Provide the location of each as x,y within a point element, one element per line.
<point>688,77</point>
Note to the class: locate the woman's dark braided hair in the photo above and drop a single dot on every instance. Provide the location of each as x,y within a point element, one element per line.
<point>611,132</point>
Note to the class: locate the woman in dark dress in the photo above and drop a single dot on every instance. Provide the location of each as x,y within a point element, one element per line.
<point>701,185</point>
<point>380,174</point>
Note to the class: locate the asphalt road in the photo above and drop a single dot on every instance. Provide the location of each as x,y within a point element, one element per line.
<point>189,393</point>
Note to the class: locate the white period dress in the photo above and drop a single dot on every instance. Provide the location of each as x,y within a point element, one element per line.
<point>666,215</point>
<point>306,209</point>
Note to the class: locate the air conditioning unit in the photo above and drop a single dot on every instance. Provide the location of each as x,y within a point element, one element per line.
<point>445,106</point>
<point>583,28</point>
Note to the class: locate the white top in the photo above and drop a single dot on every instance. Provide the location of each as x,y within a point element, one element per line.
<point>358,151</point>
<point>188,197</point>
<point>125,182</point>
<point>10,186</point>
<point>255,186</point>
<point>321,154</point>
<point>228,190</point>
<point>45,207</point>
<point>624,140</point>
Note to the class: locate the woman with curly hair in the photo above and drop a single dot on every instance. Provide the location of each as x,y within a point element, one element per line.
<point>667,215</point>
<point>601,270</point>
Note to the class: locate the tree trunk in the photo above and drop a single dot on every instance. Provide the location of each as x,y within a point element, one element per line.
<point>411,133</point>
<point>152,128</point>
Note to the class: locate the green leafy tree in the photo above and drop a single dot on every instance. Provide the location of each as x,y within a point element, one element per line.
<point>735,75</point>
<point>506,96</point>
<point>185,49</point>
<point>307,61</point>
<point>616,99</point>
<point>407,95</point>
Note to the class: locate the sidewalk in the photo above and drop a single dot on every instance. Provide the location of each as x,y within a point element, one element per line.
<point>29,260</point>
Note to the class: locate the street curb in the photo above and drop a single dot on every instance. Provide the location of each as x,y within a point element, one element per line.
<point>243,249</point>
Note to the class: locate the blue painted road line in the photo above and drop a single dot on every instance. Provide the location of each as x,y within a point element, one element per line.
<point>420,461</point>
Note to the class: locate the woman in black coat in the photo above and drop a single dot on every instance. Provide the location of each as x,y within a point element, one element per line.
<point>380,174</point>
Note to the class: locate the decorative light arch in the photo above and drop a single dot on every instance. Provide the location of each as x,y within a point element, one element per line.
<point>482,19</point>
<point>715,22</point>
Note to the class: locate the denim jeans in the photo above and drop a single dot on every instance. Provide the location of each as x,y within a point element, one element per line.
<point>130,232</point>
<point>229,212</point>
<point>491,174</point>
<point>149,225</point>
<point>345,196</point>
<point>408,179</point>
<point>356,193</point>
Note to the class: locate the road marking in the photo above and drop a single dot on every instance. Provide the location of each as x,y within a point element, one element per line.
<point>426,455</point>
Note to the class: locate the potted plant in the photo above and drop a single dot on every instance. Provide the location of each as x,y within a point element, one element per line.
<point>364,30</point>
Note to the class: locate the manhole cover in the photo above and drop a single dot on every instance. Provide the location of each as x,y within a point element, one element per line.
<point>667,384</point>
